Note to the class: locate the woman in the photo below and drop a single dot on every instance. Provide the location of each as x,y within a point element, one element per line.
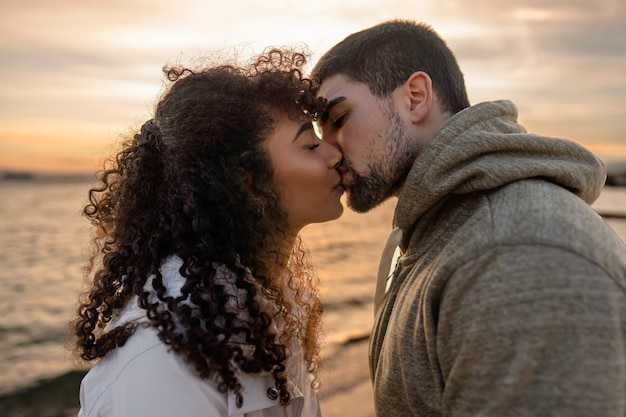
<point>202,302</point>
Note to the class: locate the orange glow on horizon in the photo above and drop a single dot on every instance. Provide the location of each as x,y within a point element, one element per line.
<point>46,165</point>
<point>55,154</point>
<point>608,152</point>
<point>50,153</point>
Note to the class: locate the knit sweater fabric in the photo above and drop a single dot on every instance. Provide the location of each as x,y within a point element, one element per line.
<point>510,296</point>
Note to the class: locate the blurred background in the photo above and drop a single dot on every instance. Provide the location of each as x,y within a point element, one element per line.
<point>75,75</point>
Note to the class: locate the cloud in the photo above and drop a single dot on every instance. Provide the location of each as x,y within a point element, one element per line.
<point>95,66</point>
<point>560,61</point>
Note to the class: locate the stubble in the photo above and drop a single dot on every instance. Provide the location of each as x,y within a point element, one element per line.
<point>388,166</point>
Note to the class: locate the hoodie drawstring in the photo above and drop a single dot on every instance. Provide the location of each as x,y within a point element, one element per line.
<point>385,270</point>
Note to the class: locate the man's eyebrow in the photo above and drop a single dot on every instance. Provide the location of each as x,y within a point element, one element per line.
<point>306,126</point>
<point>326,112</point>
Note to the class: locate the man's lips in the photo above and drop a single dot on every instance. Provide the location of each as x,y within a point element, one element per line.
<point>346,179</point>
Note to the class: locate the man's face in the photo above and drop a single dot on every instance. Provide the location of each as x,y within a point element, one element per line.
<point>372,138</point>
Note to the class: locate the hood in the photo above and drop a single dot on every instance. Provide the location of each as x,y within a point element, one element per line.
<point>482,148</point>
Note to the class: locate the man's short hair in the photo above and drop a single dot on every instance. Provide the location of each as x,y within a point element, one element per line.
<point>384,56</point>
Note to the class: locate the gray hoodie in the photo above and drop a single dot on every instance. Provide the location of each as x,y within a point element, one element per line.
<point>510,297</point>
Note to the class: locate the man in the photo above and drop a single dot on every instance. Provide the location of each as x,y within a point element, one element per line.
<point>510,296</point>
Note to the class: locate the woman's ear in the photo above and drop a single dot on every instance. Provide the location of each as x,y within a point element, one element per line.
<point>246,176</point>
<point>246,179</point>
<point>417,92</point>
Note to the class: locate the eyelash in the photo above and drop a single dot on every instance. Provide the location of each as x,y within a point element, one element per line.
<point>338,122</point>
<point>312,147</point>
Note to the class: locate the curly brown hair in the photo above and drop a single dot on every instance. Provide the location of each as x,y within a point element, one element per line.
<point>201,189</point>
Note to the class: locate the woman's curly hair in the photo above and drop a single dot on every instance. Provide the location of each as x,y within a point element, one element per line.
<point>199,186</point>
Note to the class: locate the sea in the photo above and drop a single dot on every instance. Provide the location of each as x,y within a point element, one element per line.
<point>43,242</point>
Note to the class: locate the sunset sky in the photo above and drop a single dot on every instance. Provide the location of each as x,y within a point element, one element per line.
<point>75,74</point>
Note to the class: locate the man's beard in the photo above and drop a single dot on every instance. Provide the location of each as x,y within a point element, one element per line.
<point>386,172</point>
<point>367,192</point>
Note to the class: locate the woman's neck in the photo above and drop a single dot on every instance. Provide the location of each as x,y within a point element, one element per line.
<point>285,249</point>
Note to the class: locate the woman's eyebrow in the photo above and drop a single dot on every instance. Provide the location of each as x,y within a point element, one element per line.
<point>306,126</point>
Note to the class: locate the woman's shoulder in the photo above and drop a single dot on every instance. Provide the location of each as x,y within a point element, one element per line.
<point>145,374</point>
<point>144,377</point>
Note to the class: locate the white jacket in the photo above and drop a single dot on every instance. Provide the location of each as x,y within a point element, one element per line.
<point>145,378</point>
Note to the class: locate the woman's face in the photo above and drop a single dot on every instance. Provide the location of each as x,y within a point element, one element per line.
<point>305,173</point>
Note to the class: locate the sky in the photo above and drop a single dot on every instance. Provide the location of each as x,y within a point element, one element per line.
<point>77,74</point>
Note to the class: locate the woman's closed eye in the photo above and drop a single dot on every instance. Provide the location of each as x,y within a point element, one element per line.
<point>310,139</point>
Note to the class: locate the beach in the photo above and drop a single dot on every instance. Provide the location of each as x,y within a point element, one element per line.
<point>346,388</point>
<point>43,240</point>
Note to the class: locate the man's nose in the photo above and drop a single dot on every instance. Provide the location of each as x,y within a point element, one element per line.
<point>335,157</point>
<point>330,138</point>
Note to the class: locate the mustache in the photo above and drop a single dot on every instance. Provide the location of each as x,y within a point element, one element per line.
<point>344,165</point>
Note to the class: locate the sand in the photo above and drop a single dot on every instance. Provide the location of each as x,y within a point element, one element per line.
<point>346,389</point>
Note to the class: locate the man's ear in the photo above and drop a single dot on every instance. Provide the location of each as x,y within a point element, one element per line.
<point>418,96</point>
